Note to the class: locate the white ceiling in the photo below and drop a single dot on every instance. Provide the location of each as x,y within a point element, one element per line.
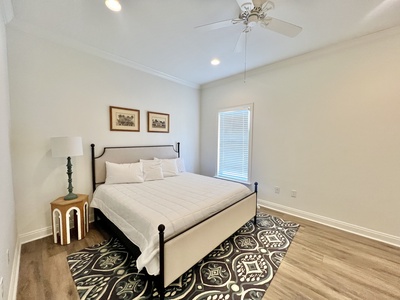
<point>159,36</point>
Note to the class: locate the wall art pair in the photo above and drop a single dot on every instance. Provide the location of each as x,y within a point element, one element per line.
<point>126,119</point>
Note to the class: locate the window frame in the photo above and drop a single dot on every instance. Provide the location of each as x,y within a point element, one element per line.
<point>250,108</point>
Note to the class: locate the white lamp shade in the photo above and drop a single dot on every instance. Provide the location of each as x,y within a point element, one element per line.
<point>66,146</point>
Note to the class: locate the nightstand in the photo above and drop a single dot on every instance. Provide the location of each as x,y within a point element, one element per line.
<point>62,210</point>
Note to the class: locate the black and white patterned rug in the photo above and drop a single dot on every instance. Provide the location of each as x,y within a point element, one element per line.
<point>242,267</point>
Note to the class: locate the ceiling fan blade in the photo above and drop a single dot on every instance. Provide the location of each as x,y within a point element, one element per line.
<point>241,43</point>
<point>281,27</point>
<point>216,25</point>
<point>245,5</point>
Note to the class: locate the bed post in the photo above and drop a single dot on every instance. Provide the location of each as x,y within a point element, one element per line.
<point>256,191</point>
<point>93,178</point>
<point>93,169</point>
<point>161,289</point>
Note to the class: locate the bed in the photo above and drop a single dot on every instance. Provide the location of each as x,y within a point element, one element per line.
<point>168,216</point>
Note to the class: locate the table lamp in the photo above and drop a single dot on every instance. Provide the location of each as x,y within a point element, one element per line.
<point>67,147</point>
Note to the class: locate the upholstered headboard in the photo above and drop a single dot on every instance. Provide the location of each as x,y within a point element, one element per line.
<point>127,154</point>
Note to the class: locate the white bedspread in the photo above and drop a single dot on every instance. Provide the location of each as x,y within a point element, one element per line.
<point>177,202</point>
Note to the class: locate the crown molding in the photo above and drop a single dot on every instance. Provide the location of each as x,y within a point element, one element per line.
<point>70,43</point>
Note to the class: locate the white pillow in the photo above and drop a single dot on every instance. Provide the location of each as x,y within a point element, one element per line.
<point>123,173</point>
<point>180,164</point>
<point>152,170</point>
<point>169,167</point>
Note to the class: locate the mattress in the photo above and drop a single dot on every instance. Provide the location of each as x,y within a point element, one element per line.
<point>178,202</point>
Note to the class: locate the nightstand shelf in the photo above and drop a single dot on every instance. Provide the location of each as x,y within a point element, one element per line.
<point>62,210</point>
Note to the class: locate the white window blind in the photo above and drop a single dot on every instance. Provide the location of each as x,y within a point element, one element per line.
<point>234,138</point>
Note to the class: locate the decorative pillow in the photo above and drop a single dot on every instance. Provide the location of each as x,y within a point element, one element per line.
<point>168,166</point>
<point>123,173</point>
<point>152,170</point>
<point>180,164</point>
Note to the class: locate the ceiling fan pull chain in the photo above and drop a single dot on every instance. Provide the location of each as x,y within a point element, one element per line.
<point>245,56</point>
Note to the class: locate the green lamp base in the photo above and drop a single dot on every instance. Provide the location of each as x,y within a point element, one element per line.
<point>71,196</point>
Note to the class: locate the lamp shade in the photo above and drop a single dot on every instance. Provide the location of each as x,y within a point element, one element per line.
<point>66,146</point>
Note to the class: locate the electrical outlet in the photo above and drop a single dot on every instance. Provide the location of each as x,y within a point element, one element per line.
<point>277,190</point>
<point>294,194</point>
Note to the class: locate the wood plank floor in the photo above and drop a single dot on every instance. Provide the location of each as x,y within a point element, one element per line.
<point>44,272</point>
<point>322,263</point>
<point>326,263</point>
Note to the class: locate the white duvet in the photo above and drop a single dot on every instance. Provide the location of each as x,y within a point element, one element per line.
<point>177,202</point>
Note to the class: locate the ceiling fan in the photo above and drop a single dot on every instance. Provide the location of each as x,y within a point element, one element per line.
<point>254,12</point>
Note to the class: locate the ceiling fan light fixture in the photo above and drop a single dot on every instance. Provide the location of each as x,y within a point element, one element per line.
<point>268,6</point>
<point>247,6</point>
<point>113,5</point>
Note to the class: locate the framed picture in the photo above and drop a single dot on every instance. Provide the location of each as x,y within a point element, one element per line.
<point>157,122</point>
<point>124,119</point>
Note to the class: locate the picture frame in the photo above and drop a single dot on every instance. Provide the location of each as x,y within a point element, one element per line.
<point>124,119</point>
<point>157,122</point>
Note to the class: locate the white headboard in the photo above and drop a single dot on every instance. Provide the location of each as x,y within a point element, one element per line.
<point>127,154</point>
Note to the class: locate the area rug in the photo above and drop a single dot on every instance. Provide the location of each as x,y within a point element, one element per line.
<point>242,267</point>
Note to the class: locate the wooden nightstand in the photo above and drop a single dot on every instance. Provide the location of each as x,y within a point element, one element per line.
<point>60,213</point>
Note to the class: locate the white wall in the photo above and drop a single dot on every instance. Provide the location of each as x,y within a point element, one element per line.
<point>8,227</point>
<point>59,91</point>
<point>326,124</point>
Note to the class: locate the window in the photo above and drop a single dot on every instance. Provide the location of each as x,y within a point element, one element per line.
<point>234,143</point>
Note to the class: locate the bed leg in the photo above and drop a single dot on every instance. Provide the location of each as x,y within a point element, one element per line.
<point>256,191</point>
<point>161,289</point>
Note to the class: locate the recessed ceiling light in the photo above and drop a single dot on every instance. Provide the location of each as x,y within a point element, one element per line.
<point>215,62</point>
<point>113,5</point>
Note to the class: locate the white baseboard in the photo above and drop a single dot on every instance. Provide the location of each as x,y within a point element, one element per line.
<point>35,235</point>
<point>362,231</point>
<point>13,288</point>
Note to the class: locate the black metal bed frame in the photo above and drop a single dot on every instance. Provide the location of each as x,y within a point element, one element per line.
<point>161,228</point>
